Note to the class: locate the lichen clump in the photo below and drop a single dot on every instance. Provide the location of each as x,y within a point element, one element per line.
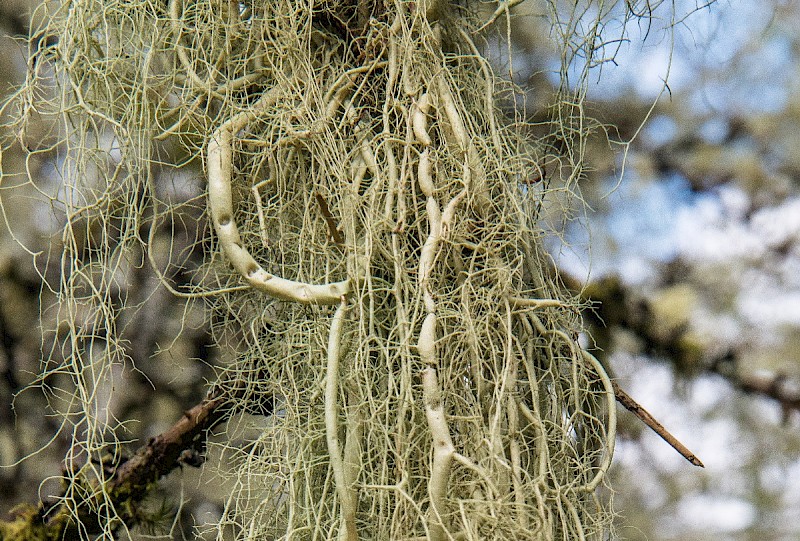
<point>372,246</point>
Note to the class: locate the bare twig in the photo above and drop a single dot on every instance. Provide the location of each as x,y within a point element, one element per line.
<point>635,408</point>
<point>336,235</point>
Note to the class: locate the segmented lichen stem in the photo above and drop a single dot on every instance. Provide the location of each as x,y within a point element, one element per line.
<point>342,466</point>
<point>443,452</point>
<point>443,448</point>
<point>219,162</point>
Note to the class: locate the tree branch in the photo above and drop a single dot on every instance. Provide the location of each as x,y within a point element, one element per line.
<point>181,444</point>
<point>615,305</point>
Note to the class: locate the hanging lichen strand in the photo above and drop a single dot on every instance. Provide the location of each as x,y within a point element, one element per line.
<point>445,397</point>
<point>374,250</point>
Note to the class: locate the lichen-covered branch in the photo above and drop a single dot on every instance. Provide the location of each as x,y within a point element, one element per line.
<point>131,481</point>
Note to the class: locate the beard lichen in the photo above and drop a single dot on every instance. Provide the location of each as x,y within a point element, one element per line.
<point>372,247</point>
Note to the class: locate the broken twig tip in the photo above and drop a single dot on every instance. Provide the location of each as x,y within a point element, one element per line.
<point>696,461</point>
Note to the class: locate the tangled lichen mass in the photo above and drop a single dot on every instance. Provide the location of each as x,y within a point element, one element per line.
<point>372,245</point>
